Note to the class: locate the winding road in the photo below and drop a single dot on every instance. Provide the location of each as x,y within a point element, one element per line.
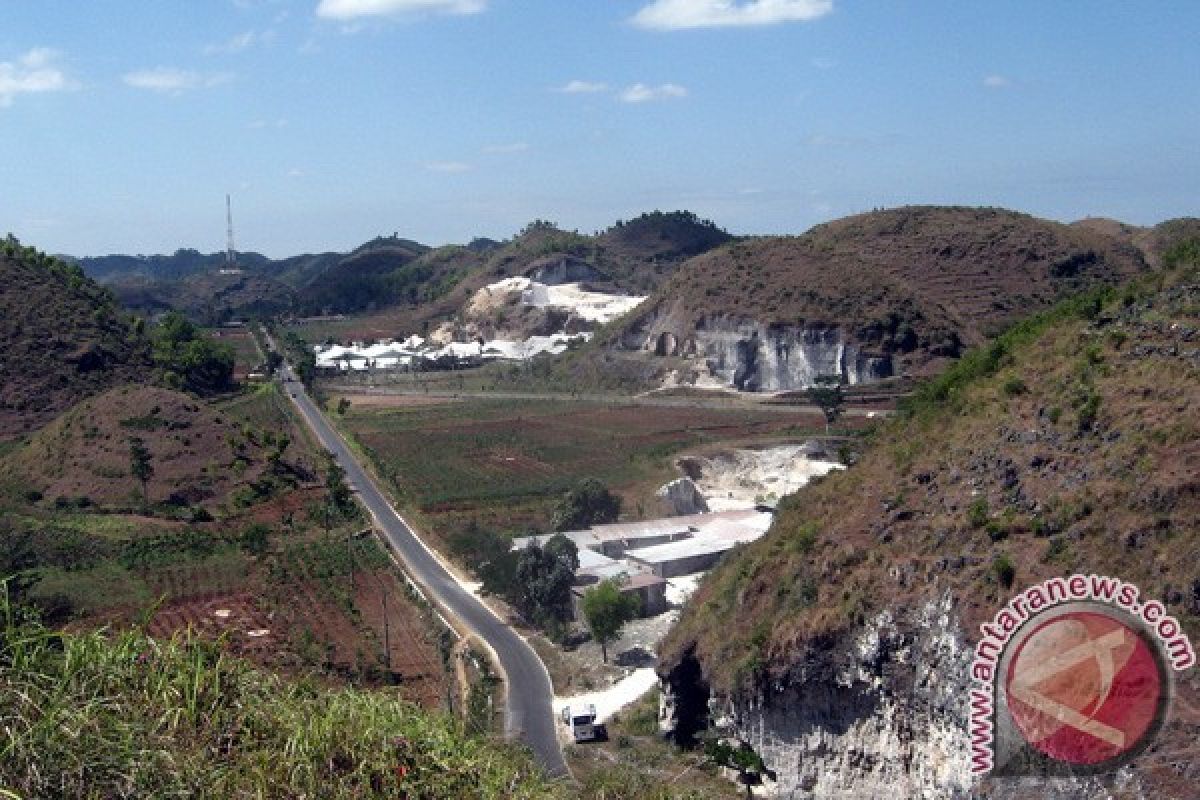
<point>528,692</point>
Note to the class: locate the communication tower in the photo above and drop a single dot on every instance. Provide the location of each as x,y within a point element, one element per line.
<point>231,265</point>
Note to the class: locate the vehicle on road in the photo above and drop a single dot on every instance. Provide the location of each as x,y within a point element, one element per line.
<point>581,722</point>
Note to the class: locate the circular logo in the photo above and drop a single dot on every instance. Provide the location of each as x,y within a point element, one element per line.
<point>1086,688</point>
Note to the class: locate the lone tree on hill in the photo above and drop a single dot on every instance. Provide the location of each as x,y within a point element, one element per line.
<point>140,466</point>
<point>589,503</point>
<point>606,609</point>
<point>828,396</point>
<point>749,764</point>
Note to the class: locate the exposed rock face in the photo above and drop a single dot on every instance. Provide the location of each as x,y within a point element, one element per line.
<point>682,497</point>
<point>754,357</point>
<point>882,713</point>
<point>557,270</point>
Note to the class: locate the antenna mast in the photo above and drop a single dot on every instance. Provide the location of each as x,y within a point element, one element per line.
<point>230,254</point>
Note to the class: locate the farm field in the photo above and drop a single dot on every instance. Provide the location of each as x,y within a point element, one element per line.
<point>275,576</point>
<point>503,463</point>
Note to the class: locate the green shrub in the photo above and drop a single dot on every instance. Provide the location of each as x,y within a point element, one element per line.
<point>978,513</point>
<point>1004,570</point>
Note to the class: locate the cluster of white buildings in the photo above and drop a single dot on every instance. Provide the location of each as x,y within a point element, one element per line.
<point>416,351</point>
<point>643,555</point>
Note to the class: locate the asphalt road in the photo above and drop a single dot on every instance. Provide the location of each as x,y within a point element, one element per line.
<point>528,693</point>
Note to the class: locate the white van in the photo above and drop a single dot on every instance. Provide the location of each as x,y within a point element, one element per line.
<point>582,723</point>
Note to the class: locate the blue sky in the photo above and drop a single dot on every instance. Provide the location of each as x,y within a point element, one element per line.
<point>123,124</point>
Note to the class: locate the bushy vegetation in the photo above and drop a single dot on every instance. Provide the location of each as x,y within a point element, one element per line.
<point>188,358</point>
<point>588,503</point>
<point>606,609</point>
<point>107,714</point>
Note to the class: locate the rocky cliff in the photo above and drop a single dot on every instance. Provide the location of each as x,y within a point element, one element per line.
<point>838,645</point>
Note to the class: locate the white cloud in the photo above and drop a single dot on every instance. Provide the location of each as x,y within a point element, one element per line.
<point>353,9</point>
<point>234,44</point>
<point>259,124</point>
<point>34,72</point>
<point>452,167</point>
<point>173,81</point>
<point>996,82</point>
<point>511,147</point>
<point>671,15</point>
<point>582,87</point>
<point>641,93</point>
<point>295,172</point>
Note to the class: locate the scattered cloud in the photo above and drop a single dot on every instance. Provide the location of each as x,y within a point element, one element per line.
<point>354,9</point>
<point>749,191</point>
<point>823,63</point>
<point>169,80</point>
<point>259,124</point>
<point>672,15</point>
<point>296,173</point>
<point>450,167</point>
<point>641,93</point>
<point>582,87</point>
<point>234,44</point>
<point>34,72</point>
<point>996,82</point>
<point>511,147</point>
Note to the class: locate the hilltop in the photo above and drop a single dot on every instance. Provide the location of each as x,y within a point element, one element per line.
<point>412,279</point>
<point>65,338</point>
<point>866,297</point>
<point>1069,444</point>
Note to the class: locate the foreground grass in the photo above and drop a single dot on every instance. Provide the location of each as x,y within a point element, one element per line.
<point>104,715</point>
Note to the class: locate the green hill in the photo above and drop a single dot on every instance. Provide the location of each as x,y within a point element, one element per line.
<point>65,338</point>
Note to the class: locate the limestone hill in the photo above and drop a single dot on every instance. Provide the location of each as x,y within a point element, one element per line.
<point>840,643</point>
<point>867,297</point>
<point>64,339</point>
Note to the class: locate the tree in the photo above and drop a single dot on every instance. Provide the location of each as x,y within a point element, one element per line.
<point>139,465</point>
<point>606,609</point>
<point>187,358</point>
<point>543,584</point>
<point>749,764</point>
<point>828,396</point>
<point>335,484</point>
<point>589,503</point>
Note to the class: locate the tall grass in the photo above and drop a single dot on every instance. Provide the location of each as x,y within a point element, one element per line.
<point>117,714</point>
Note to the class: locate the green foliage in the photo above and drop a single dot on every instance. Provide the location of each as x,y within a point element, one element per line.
<point>1183,254</point>
<point>978,512</point>
<point>300,353</point>
<point>122,715</point>
<point>606,609</point>
<point>828,396</point>
<point>542,590</point>
<point>489,555</point>
<point>1014,386</point>
<point>188,358</point>
<point>743,758</point>
<point>947,391</point>
<point>139,463</point>
<point>589,503</point>
<point>1004,570</point>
